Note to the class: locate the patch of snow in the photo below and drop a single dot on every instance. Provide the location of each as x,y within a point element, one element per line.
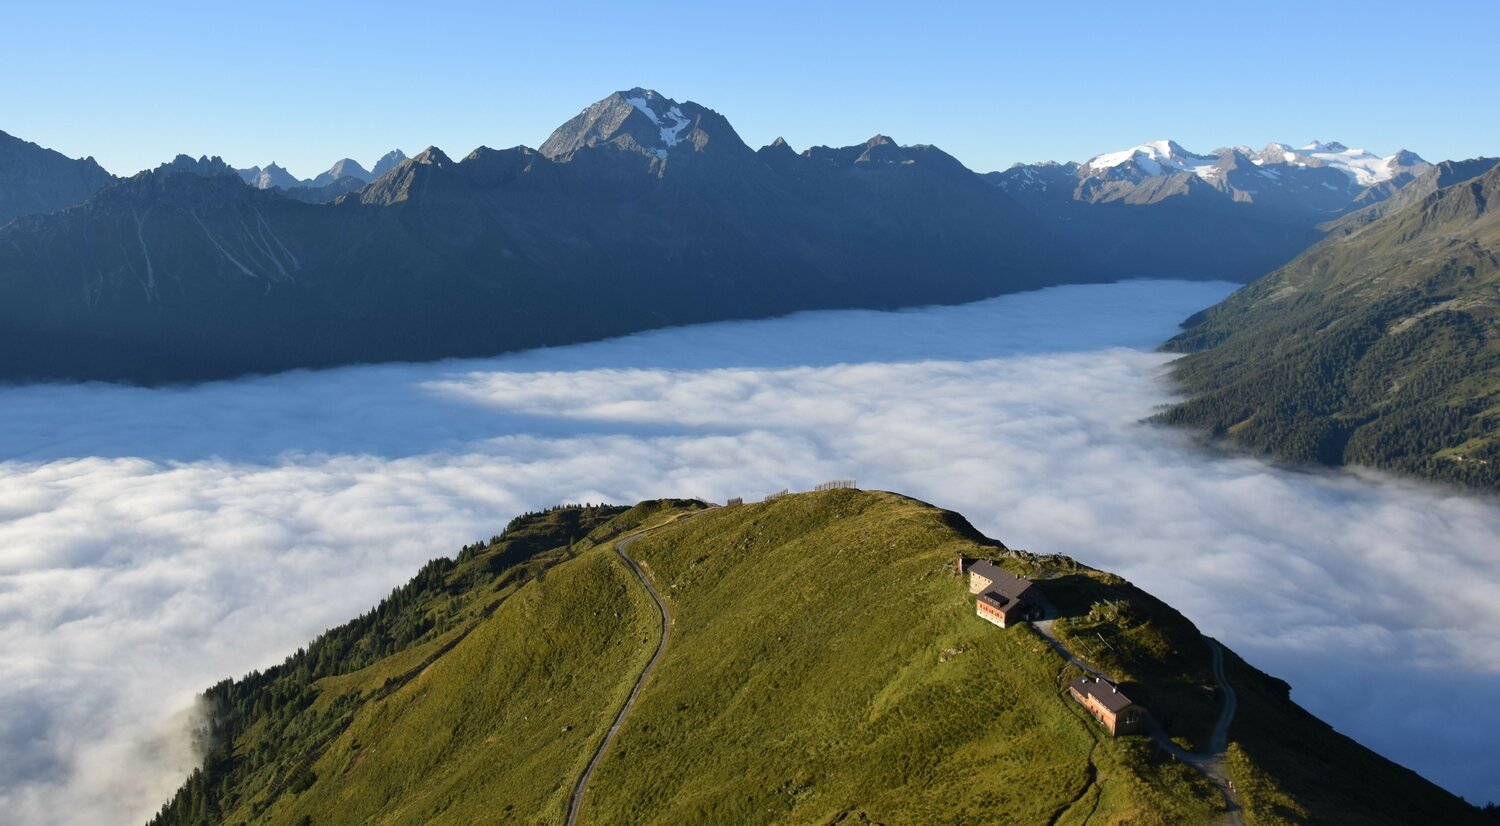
<point>640,103</point>
<point>1208,171</point>
<point>670,135</point>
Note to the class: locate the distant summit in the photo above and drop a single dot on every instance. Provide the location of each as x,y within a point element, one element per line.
<point>270,177</point>
<point>387,162</point>
<point>644,122</point>
<point>1154,158</point>
<point>346,168</point>
<point>1363,168</point>
<point>340,175</point>
<point>204,166</point>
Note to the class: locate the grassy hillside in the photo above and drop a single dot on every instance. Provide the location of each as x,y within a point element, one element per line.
<point>825,666</point>
<point>445,680</point>
<point>1380,347</point>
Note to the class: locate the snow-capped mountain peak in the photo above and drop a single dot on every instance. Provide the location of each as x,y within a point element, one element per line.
<point>1363,167</point>
<point>645,122</point>
<point>1163,157</point>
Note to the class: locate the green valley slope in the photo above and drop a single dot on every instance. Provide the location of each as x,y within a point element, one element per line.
<point>1379,347</point>
<point>825,666</point>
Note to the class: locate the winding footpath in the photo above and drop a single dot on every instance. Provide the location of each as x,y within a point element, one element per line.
<point>1209,762</point>
<point>576,801</point>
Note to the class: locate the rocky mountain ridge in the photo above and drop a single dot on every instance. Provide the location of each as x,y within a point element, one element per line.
<point>36,181</point>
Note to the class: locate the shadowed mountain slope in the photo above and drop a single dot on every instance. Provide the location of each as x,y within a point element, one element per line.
<point>185,272</point>
<point>36,181</point>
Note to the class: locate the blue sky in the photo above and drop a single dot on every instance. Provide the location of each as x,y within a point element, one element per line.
<point>993,83</point>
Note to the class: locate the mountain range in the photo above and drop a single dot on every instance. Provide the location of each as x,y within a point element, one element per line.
<point>1319,178</point>
<point>816,658</point>
<point>184,272</point>
<point>639,212</point>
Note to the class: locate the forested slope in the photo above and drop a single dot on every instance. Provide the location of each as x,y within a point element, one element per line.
<point>1379,348</point>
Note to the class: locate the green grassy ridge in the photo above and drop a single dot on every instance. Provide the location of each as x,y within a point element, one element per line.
<point>1380,347</point>
<point>826,666</point>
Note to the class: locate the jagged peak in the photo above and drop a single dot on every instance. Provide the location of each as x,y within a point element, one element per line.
<point>203,165</point>
<point>347,166</point>
<point>387,162</point>
<point>777,148</point>
<point>431,155</point>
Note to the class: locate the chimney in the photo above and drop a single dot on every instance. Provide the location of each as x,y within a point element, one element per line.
<point>1114,689</point>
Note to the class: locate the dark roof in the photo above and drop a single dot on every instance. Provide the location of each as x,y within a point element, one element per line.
<point>1002,582</point>
<point>1106,693</point>
<point>997,600</point>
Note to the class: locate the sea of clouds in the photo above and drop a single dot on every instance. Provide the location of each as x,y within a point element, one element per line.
<point>154,541</point>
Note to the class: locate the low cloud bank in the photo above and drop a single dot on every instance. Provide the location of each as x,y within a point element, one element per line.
<point>154,541</point>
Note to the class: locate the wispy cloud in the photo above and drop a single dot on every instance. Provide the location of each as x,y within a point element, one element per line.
<point>152,542</point>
